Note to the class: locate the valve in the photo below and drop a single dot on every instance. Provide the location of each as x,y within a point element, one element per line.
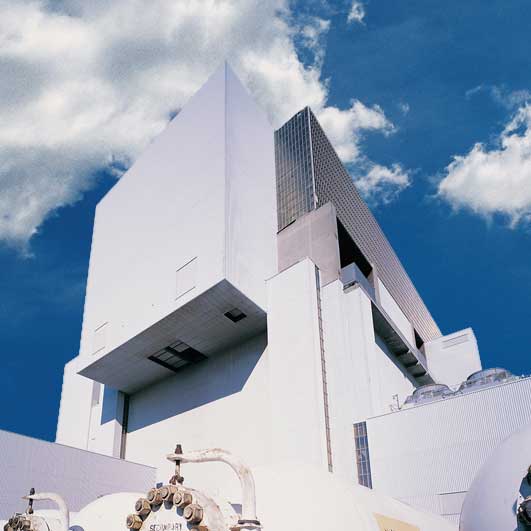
<point>142,507</point>
<point>193,513</point>
<point>134,521</point>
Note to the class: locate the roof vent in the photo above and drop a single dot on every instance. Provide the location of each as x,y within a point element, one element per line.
<point>427,393</point>
<point>486,378</point>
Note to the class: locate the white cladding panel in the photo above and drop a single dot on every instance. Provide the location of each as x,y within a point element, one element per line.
<point>390,382</point>
<point>296,377</point>
<point>220,402</point>
<point>251,215</point>
<point>454,357</point>
<point>392,309</point>
<point>73,423</point>
<point>198,206</point>
<point>362,377</point>
<point>437,449</point>
<point>79,476</point>
<point>168,209</point>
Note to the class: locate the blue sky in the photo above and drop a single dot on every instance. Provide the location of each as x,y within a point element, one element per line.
<point>402,89</point>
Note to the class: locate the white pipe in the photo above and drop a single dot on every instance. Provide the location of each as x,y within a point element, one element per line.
<point>64,515</point>
<point>242,471</point>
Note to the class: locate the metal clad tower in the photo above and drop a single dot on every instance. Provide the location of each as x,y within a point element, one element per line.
<point>309,175</point>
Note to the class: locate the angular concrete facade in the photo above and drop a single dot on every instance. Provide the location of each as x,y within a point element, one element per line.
<point>206,326</point>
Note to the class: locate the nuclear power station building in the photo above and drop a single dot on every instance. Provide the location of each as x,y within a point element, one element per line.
<point>241,295</point>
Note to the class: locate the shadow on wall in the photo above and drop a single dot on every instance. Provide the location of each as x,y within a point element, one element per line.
<point>219,376</point>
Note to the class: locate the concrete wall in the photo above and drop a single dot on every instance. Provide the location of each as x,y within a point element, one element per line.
<point>296,377</point>
<point>312,236</point>
<point>428,455</point>
<point>77,475</point>
<point>221,402</point>
<point>454,357</point>
<point>392,309</point>
<point>90,415</point>
<point>198,205</point>
<point>361,376</point>
<point>75,410</point>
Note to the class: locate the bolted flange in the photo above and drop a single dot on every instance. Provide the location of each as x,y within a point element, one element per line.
<point>142,507</point>
<point>167,492</point>
<point>182,498</point>
<point>193,513</point>
<point>154,497</point>
<point>134,521</point>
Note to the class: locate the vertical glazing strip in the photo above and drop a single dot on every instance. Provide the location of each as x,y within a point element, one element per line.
<point>125,426</point>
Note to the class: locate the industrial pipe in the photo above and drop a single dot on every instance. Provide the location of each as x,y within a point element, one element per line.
<point>64,515</point>
<point>243,472</point>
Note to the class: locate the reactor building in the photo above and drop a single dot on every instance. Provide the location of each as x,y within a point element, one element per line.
<point>242,295</point>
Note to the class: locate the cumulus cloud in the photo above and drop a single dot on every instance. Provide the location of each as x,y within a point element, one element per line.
<point>357,12</point>
<point>497,180</point>
<point>86,85</point>
<point>382,184</point>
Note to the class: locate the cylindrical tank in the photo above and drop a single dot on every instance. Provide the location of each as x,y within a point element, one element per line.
<point>278,498</point>
<point>500,487</point>
<point>290,498</point>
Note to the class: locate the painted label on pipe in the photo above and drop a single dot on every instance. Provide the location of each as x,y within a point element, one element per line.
<point>390,524</point>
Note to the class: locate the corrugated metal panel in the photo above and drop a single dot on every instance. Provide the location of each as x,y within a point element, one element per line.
<point>437,448</point>
<point>77,475</point>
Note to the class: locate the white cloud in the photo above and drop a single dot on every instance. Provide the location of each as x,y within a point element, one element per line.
<point>357,12</point>
<point>404,108</point>
<point>89,84</point>
<point>381,184</point>
<point>498,180</point>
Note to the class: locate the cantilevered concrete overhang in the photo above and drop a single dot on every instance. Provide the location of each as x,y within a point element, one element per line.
<point>411,359</point>
<point>213,321</point>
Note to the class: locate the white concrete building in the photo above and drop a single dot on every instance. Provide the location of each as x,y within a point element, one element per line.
<point>241,295</point>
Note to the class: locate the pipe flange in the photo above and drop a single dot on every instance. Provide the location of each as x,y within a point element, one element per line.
<point>193,513</point>
<point>142,507</point>
<point>134,521</point>
<point>154,497</point>
<point>182,498</point>
<point>167,492</point>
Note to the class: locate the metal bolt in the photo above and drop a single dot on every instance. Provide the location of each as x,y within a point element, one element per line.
<point>193,513</point>
<point>154,497</point>
<point>167,492</point>
<point>134,521</point>
<point>182,498</point>
<point>142,507</point>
